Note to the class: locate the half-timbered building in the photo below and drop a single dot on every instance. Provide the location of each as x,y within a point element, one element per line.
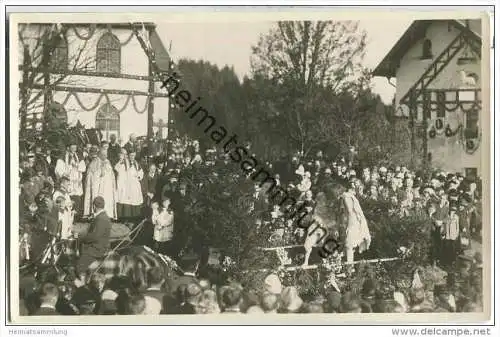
<point>438,105</point>
<point>99,74</point>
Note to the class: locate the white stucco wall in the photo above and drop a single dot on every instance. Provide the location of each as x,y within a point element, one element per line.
<point>412,67</point>
<point>447,152</point>
<point>133,62</point>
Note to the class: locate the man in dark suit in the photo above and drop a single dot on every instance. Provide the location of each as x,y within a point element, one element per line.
<point>114,150</point>
<point>190,265</point>
<point>49,295</point>
<point>149,185</point>
<point>95,244</point>
<point>131,144</point>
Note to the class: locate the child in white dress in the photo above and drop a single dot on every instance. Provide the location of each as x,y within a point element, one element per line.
<point>163,222</point>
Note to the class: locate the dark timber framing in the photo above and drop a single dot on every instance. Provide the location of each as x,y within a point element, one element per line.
<point>151,92</point>
<point>98,91</point>
<point>93,74</point>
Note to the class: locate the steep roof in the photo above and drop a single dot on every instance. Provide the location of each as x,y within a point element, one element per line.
<point>415,32</point>
<point>161,54</point>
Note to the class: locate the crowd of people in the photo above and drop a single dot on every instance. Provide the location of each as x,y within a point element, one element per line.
<point>133,181</point>
<point>189,294</point>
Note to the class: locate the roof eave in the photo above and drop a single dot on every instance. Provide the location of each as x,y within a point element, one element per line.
<point>386,69</point>
<point>382,71</point>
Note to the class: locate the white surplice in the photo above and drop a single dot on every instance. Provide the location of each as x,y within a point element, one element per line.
<point>73,169</point>
<point>129,190</point>
<point>100,182</point>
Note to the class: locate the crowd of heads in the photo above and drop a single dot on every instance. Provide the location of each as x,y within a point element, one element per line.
<point>188,294</point>
<point>404,190</point>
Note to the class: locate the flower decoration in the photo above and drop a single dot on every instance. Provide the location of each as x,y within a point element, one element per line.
<point>170,262</point>
<point>283,256</point>
<point>228,263</point>
<point>404,252</point>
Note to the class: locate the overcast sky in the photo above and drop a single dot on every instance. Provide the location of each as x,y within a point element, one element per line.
<point>223,43</point>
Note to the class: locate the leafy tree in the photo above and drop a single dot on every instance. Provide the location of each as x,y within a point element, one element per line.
<point>308,64</point>
<point>39,45</point>
<point>220,93</point>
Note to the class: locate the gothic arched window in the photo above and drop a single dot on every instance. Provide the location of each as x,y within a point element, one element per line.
<point>108,120</point>
<point>59,55</point>
<point>108,55</point>
<point>427,49</point>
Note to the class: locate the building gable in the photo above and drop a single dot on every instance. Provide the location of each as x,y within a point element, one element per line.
<point>106,67</point>
<point>425,50</point>
<point>437,66</point>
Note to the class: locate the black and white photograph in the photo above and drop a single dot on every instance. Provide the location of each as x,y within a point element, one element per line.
<point>249,163</point>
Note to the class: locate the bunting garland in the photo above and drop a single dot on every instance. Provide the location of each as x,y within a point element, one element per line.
<point>108,101</point>
<point>449,132</point>
<point>436,129</point>
<point>470,145</point>
<point>92,30</point>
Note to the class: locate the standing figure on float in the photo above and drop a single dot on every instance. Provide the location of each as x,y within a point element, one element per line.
<point>357,232</point>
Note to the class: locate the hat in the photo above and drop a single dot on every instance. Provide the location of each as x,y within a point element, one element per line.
<point>94,150</point>
<point>193,290</point>
<point>255,309</point>
<point>328,171</point>
<point>272,284</point>
<point>30,155</point>
<point>109,295</point>
<point>434,182</point>
<point>382,169</point>
<point>300,170</point>
<point>428,189</point>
